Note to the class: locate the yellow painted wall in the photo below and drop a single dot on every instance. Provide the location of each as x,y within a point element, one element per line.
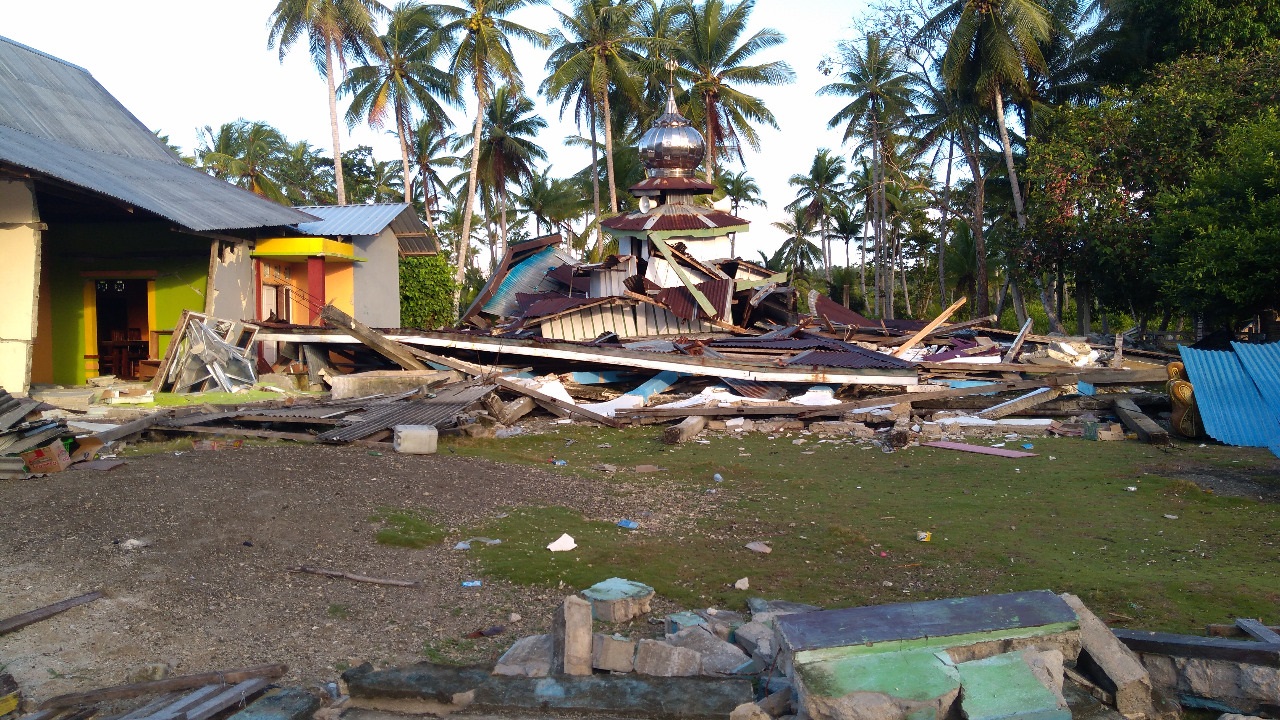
<point>19,282</point>
<point>340,286</point>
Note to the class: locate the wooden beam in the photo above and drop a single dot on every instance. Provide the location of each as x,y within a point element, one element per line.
<point>924,332</point>
<point>18,622</point>
<point>379,343</point>
<point>1194,646</point>
<point>702,300</point>
<point>1020,403</point>
<point>1016,347</point>
<point>570,408</point>
<point>685,430</point>
<point>461,366</point>
<point>1149,431</point>
<point>1224,630</point>
<point>1257,630</point>
<point>940,332</point>
<point>131,428</point>
<point>180,682</point>
<point>242,432</point>
<point>354,577</point>
<point>995,387</point>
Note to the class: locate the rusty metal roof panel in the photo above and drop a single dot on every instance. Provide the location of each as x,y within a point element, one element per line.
<point>683,184</point>
<point>855,359</point>
<point>675,217</point>
<point>527,277</point>
<point>543,304</point>
<point>1232,408</point>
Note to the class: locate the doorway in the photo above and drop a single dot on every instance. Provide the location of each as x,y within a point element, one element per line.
<point>123,326</point>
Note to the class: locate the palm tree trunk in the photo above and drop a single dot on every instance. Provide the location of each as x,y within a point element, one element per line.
<point>862,256</point>
<point>826,248</point>
<point>465,240</point>
<point>709,109</point>
<point>502,249</point>
<point>339,185</point>
<point>979,238</point>
<point>404,159</point>
<point>424,170</point>
<point>946,226</point>
<point>608,155</point>
<point>1008,161</point>
<point>598,253</point>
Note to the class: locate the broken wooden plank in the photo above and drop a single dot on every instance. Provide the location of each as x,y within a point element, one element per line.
<point>1020,403</point>
<point>1089,686</point>
<point>1256,630</point>
<point>130,428</point>
<point>933,325</point>
<point>940,332</point>
<point>354,577</point>
<point>461,366</point>
<point>570,408</point>
<point>376,341</point>
<point>871,402</point>
<point>1193,646</point>
<point>18,622</point>
<point>685,430</point>
<point>242,432</point>
<point>179,682</point>
<point>236,694</point>
<point>979,449</point>
<point>1149,431</point>
<point>1224,630</point>
<point>1016,347</point>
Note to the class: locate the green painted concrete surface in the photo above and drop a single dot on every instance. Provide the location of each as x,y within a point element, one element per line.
<point>1003,687</point>
<point>910,674</point>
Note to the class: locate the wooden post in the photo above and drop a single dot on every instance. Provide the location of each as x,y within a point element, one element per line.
<point>1148,430</point>
<point>27,618</point>
<point>685,430</point>
<point>1016,347</point>
<point>379,343</point>
<point>924,332</point>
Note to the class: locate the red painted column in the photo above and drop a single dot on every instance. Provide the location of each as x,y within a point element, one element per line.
<point>315,287</point>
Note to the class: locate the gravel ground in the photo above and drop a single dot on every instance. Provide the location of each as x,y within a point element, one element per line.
<point>211,589</point>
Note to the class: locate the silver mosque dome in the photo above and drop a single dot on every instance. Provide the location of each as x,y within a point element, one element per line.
<point>672,147</point>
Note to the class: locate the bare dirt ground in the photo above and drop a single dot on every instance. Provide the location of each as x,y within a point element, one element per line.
<point>212,590</point>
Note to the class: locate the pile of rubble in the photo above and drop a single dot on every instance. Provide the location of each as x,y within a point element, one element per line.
<point>1018,655</point>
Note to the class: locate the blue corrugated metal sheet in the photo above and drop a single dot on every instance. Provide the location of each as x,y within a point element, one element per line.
<point>1262,362</point>
<point>56,120</point>
<point>1231,405</point>
<point>529,276</point>
<point>350,219</point>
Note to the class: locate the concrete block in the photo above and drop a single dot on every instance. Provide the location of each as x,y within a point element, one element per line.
<point>658,658</point>
<point>749,711</point>
<point>882,686</point>
<point>1007,687</point>
<point>385,381</point>
<point>722,622</point>
<point>718,656</point>
<point>1163,671</point>
<point>416,439</point>
<point>613,654</point>
<point>755,637</point>
<point>1259,682</point>
<point>684,619</point>
<point>1114,666</point>
<point>777,704</point>
<point>571,637</point>
<point>528,657</point>
<point>617,600</point>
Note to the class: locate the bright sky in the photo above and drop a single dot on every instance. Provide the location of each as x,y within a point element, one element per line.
<point>179,65</point>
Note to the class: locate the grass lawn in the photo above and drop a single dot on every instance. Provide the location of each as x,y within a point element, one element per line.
<point>842,520</point>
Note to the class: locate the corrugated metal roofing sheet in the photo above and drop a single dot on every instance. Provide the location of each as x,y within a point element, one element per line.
<point>536,306</point>
<point>371,219</point>
<point>56,120</point>
<point>529,276</point>
<point>836,312</point>
<point>856,358</point>
<point>682,304</point>
<point>1231,405</point>
<point>1262,362</point>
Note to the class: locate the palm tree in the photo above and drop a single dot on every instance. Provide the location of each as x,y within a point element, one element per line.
<point>819,192</point>
<point>403,77</point>
<point>879,95</point>
<point>992,44</point>
<point>797,250</point>
<point>306,176</point>
<point>481,36</point>
<point>430,143</point>
<point>711,61</point>
<point>246,154</point>
<point>335,29</point>
<point>846,224</point>
<point>507,151</point>
<point>594,53</point>
<point>741,189</point>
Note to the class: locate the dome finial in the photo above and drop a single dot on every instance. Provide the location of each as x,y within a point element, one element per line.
<point>672,147</point>
<point>672,108</point>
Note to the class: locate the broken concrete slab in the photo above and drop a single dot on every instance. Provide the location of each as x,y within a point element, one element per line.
<point>386,382</point>
<point>1107,661</point>
<point>718,657</point>
<point>617,600</point>
<point>411,689</point>
<point>881,686</point>
<point>1006,687</point>
<point>755,637</point>
<point>613,654</point>
<point>660,659</point>
<point>777,704</point>
<point>749,711</point>
<point>571,637</point>
<point>683,619</point>
<point>528,657</point>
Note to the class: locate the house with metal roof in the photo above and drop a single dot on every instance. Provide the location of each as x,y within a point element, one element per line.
<point>107,235</point>
<point>348,256</point>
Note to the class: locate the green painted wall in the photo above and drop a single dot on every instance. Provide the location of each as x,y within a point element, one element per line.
<point>181,263</point>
